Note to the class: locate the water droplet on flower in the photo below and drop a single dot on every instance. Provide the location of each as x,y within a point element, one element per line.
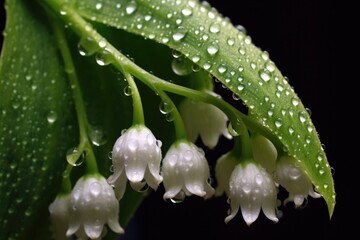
<point>230,41</point>
<point>270,66</point>
<point>188,155</point>
<point>133,145</point>
<point>110,155</point>
<point>265,55</point>
<point>278,123</point>
<point>51,117</point>
<point>95,188</point>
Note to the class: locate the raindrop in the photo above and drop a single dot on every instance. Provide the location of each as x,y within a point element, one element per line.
<point>310,129</point>
<point>176,53</point>
<point>186,11</point>
<point>332,171</point>
<point>165,107</point>
<point>270,66</point>
<point>247,39</point>
<point>309,111</point>
<point>51,117</point>
<point>97,137</point>
<point>253,65</point>
<point>265,55</point>
<point>321,171</point>
<point>179,34</point>
<point>212,49</point>
<point>222,69</point>
<point>103,58</point>
<point>278,123</point>
<point>320,157</point>
<point>207,66</point>
<point>326,185</point>
<point>98,6</point>
<point>291,130</point>
<point>95,189</point>
<point>242,50</point>
<point>235,96</point>
<point>169,117</point>
<point>295,102</point>
<point>74,157</point>
<point>131,7</point>
<point>270,113</point>
<point>215,28</point>
<point>264,75</point>
<point>230,41</point>
<point>241,28</point>
<point>110,155</point>
<point>302,117</point>
<point>128,91</point>
<point>181,66</point>
<point>195,68</point>
<point>241,87</point>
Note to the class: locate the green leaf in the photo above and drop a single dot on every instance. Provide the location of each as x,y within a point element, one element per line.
<point>211,41</point>
<point>35,113</point>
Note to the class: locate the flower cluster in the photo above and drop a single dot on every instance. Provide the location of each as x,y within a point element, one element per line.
<point>251,181</point>
<point>84,212</point>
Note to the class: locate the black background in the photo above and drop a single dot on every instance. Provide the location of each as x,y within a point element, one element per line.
<point>302,39</point>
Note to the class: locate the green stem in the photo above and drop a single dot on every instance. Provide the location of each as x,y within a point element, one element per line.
<point>85,144</point>
<point>138,112</point>
<point>178,122</point>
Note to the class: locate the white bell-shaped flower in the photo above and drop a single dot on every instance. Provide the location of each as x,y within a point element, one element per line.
<point>205,120</point>
<point>59,214</point>
<point>264,152</point>
<point>185,171</point>
<point>294,180</point>
<point>136,156</point>
<point>252,189</point>
<point>92,205</point>
<point>223,169</point>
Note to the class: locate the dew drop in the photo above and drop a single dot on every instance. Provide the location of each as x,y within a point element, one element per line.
<point>128,91</point>
<point>131,7</point>
<point>186,11</point>
<point>253,65</point>
<point>310,129</point>
<point>242,50</point>
<point>176,53</point>
<point>235,96</point>
<point>302,117</point>
<point>215,27</point>
<point>230,41</point>
<point>270,66</point>
<point>98,137</point>
<point>264,75</point>
<point>165,108</point>
<point>51,117</point>
<point>241,87</point>
<point>222,69</point>
<point>326,185</point>
<point>321,171</point>
<point>195,58</point>
<point>74,157</point>
<point>207,66</point>
<point>179,34</point>
<point>248,40</point>
<point>98,6</point>
<point>270,113</point>
<point>278,123</point>
<point>212,49</point>
<point>95,189</point>
<point>103,58</point>
<point>291,130</point>
<point>265,55</point>
<point>295,102</point>
<point>181,66</point>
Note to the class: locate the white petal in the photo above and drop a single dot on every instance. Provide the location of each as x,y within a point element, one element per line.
<point>115,226</point>
<point>120,186</point>
<point>234,210</point>
<point>250,212</point>
<point>72,229</point>
<point>93,230</point>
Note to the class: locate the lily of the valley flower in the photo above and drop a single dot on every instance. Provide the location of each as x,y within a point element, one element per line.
<point>205,120</point>
<point>294,180</point>
<point>264,152</point>
<point>185,171</point>
<point>223,169</point>
<point>252,188</point>
<point>91,205</point>
<point>136,156</point>
<point>59,214</point>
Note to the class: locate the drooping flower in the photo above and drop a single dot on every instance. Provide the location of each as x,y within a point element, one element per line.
<point>92,205</point>
<point>59,214</point>
<point>223,169</point>
<point>294,180</point>
<point>252,189</point>
<point>136,156</point>
<point>264,152</point>
<point>185,171</point>
<point>205,120</point>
